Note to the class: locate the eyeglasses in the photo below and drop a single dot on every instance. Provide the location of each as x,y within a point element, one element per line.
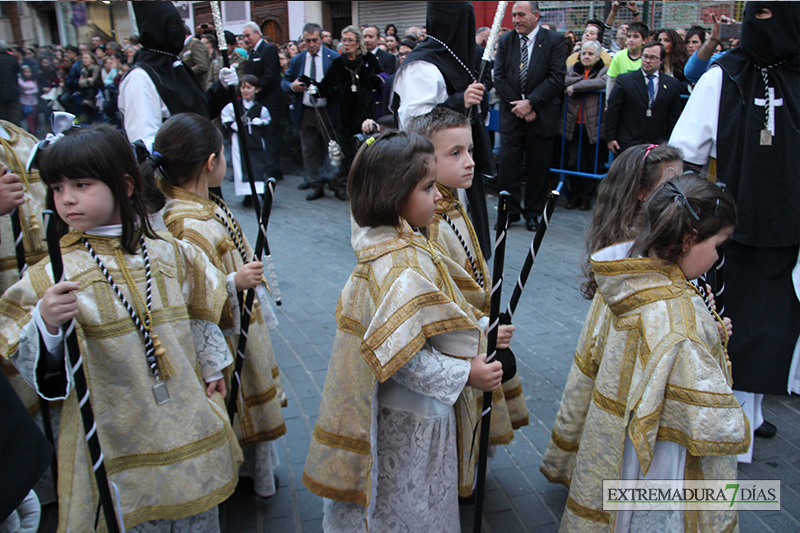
<point>648,57</point>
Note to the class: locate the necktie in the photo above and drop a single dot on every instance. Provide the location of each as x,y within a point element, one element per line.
<point>523,62</point>
<point>651,89</point>
<point>313,70</point>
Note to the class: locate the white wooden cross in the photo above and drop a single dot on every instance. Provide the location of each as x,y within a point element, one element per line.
<point>773,103</point>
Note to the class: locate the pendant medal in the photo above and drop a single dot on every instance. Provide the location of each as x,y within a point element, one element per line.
<point>649,113</point>
<point>766,138</point>
<point>353,88</point>
<point>160,392</point>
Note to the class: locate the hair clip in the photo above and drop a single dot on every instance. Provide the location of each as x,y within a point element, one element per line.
<point>370,141</point>
<point>648,150</point>
<point>716,209</point>
<point>156,158</point>
<point>61,122</point>
<point>679,197</point>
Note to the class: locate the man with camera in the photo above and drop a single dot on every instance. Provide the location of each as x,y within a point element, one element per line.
<point>311,115</point>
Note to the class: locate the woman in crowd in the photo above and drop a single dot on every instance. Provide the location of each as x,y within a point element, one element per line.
<point>88,83</point>
<point>676,57</point>
<point>583,115</point>
<point>354,75</point>
<point>695,37</point>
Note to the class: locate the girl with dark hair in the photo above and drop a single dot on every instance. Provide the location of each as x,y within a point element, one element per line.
<point>139,300</point>
<point>676,57</point>
<point>407,343</point>
<point>391,29</point>
<point>620,197</point>
<point>190,161</point>
<point>646,385</point>
<point>695,37</point>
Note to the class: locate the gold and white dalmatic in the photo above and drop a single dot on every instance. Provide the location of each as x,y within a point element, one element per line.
<point>168,461</point>
<point>649,370</point>
<point>259,420</point>
<point>384,452</point>
<point>509,411</point>
<point>14,153</point>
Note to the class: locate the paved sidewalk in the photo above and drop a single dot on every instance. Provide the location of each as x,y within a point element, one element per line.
<point>310,243</point>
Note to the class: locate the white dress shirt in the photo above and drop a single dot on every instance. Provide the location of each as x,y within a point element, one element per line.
<point>319,74</point>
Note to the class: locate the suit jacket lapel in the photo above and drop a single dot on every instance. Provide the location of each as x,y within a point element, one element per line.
<point>641,86</point>
<point>536,54</point>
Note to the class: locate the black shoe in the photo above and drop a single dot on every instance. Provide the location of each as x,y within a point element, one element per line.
<point>531,224</point>
<point>574,203</point>
<point>586,205</point>
<point>315,194</point>
<point>766,430</point>
<point>304,186</point>
<point>248,201</point>
<point>341,194</point>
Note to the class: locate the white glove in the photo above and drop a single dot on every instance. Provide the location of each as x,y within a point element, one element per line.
<point>228,77</point>
<point>313,91</point>
<point>257,122</point>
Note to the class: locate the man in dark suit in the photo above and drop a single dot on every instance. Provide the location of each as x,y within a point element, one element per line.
<point>529,81</point>
<point>314,63</point>
<point>644,105</point>
<point>371,37</point>
<point>264,64</point>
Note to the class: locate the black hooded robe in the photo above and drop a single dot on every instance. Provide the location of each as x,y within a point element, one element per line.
<point>454,24</point>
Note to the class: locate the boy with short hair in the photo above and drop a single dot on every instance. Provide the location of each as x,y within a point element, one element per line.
<point>255,120</point>
<point>452,234</point>
<point>629,59</point>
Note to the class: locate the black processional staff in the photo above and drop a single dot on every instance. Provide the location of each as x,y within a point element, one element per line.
<point>81,388</point>
<point>22,266</point>
<point>238,113</point>
<point>261,247</point>
<point>535,244</point>
<point>491,349</point>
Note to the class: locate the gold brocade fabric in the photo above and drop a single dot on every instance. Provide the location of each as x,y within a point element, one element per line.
<point>509,411</point>
<point>400,293</point>
<point>649,361</point>
<point>14,154</point>
<point>168,461</point>
<point>191,218</point>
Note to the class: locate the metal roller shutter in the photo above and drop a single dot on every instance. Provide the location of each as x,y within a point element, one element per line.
<point>401,14</point>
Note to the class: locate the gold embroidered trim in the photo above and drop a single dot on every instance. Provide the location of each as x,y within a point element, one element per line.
<point>564,444</point>
<point>325,491</point>
<point>125,325</point>
<point>174,512</point>
<point>512,393</point>
<point>700,398</point>
<point>607,404</point>
<point>707,447</point>
<point>341,442</point>
<point>263,436</point>
<point>176,455</point>
<point>588,514</point>
<point>261,398</point>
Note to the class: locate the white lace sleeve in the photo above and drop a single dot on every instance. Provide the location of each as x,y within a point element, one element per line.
<point>435,375</point>
<point>212,351</point>
<point>233,298</point>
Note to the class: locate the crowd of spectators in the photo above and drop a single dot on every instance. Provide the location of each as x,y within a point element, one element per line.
<point>85,79</point>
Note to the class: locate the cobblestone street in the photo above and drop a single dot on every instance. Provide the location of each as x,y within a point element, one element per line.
<point>310,243</point>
